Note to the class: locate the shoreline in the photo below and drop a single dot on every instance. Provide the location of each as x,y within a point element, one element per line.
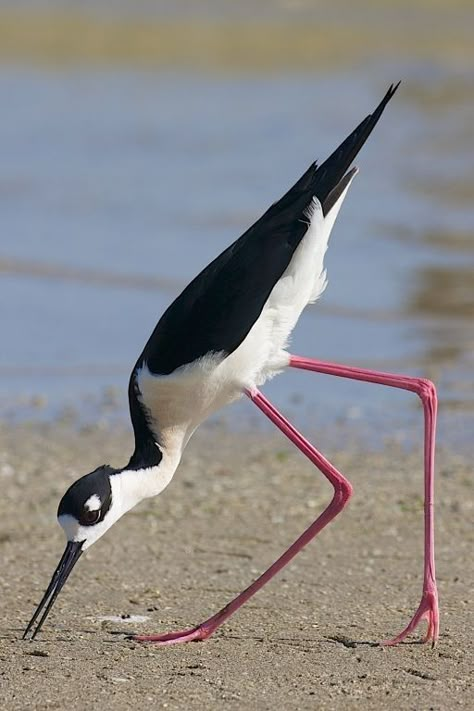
<point>57,37</point>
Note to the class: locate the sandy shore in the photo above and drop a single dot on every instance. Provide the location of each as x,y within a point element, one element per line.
<point>307,641</point>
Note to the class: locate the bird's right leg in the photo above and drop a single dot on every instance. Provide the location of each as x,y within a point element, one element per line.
<point>342,493</point>
<point>426,391</point>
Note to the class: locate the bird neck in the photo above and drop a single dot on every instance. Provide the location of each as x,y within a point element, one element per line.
<point>147,474</point>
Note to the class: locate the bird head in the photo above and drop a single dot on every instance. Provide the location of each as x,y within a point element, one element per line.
<point>88,508</point>
<point>85,512</point>
<point>92,505</point>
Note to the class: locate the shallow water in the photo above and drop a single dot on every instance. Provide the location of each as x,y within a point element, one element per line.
<point>117,187</point>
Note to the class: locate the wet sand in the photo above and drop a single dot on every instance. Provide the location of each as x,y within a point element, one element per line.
<point>307,641</point>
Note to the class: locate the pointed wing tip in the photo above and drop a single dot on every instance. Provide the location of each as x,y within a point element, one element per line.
<point>391,91</point>
<point>372,119</point>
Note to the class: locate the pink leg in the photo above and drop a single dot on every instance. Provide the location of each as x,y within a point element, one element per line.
<point>342,493</point>
<point>428,607</point>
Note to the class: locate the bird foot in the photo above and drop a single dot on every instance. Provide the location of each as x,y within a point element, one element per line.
<point>196,634</point>
<point>427,610</point>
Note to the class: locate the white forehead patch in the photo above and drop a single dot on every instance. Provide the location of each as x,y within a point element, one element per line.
<point>93,503</point>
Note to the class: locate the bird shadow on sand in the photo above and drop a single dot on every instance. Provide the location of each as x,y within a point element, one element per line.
<point>353,643</point>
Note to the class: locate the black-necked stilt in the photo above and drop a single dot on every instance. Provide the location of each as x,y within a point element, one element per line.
<point>223,337</point>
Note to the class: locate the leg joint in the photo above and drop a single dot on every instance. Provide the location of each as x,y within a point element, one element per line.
<point>426,390</point>
<point>342,492</point>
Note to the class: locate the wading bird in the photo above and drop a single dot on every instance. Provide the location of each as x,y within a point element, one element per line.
<point>222,338</point>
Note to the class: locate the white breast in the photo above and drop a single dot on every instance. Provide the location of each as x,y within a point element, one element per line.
<point>179,402</point>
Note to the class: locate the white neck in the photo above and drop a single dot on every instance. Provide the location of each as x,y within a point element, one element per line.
<point>131,486</point>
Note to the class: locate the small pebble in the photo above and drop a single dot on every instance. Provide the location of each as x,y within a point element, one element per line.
<point>38,653</point>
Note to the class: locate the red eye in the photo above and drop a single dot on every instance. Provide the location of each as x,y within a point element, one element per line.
<point>90,517</point>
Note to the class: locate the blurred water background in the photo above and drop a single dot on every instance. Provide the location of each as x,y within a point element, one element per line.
<point>138,139</point>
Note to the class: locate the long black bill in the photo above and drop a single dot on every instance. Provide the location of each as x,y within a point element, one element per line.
<point>69,559</point>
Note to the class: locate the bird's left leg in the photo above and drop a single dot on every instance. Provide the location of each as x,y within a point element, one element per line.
<point>342,493</point>
<point>426,391</point>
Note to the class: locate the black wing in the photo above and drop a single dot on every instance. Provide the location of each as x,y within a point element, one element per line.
<point>216,311</point>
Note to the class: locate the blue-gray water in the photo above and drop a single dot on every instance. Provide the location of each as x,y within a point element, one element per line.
<point>117,187</point>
